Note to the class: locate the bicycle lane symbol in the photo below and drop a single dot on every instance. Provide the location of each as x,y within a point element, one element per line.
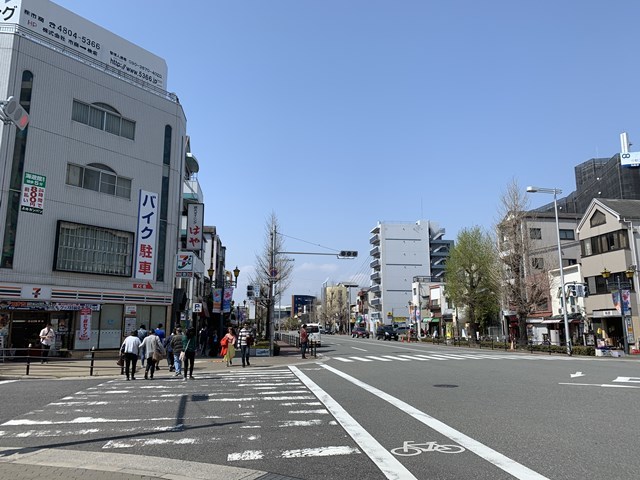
<point>410,448</point>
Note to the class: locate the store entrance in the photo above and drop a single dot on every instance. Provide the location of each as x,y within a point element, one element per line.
<point>25,328</point>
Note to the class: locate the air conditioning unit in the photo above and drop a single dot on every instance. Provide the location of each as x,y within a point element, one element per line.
<point>573,309</point>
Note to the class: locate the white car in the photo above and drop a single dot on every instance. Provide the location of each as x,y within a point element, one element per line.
<point>313,329</point>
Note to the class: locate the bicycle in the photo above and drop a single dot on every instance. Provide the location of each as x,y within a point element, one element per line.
<point>410,448</point>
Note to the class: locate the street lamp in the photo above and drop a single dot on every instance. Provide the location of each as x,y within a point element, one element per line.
<point>555,192</point>
<point>629,273</point>
<point>236,273</point>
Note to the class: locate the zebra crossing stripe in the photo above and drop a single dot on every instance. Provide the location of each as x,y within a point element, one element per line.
<point>360,359</point>
<point>380,359</point>
<point>414,357</point>
<point>346,360</point>
<point>396,358</point>
<point>431,357</point>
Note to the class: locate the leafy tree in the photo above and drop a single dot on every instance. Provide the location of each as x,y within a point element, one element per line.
<point>471,275</point>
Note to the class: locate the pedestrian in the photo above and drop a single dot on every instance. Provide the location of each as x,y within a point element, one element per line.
<point>47,339</point>
<point>176,346</point>
<point>161,335</point>
<point>245,340</point>
<point>213,352</point>
<point>227,346</point>
<point>131,349</point>
<point>142,333</point>
<point>189,348</point>
<point>169,349</point>
<point>152,347</point>
<point>203,336</point>
<point>304,338</point>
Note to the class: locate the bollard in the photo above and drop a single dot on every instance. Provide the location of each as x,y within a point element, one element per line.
<point>93,357</point>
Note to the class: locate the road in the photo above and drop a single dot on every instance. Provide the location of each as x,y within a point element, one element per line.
<point>357,412</point>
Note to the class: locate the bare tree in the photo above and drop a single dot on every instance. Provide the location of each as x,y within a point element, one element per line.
<point>272,267</point>
<point>525,288</point>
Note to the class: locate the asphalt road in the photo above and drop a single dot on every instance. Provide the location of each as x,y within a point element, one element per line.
<point>357,412</point>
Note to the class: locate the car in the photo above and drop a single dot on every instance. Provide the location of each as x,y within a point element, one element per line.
<point>386,332</point>
<point>313,329</point>
<point>360,332</point>
<point>404,331</point>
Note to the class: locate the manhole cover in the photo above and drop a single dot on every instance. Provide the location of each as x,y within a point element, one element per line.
<point>444,385</point>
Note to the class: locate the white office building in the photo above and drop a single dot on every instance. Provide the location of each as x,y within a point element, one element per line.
<point>400,252</point>
<point>90,198</point>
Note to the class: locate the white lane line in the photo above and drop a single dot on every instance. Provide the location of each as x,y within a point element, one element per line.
<point>414,357</point>
<point>360,359</point>
<point>343,359</point>
<point>496,458</point>
<point>383,459</point>
<point>380,359</point>
<point>318,452</point>
<point>7,381</point>
<point>603,385</point>
<point>395,358</point>
<point>143,442</point>
<point>361,349</point>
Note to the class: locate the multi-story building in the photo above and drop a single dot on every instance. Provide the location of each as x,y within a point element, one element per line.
<point>400,252</point>
<point>90,199</point>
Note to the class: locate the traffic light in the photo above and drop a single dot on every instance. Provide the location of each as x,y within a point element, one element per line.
<point>14,113</point>
<point>348,254</point>
<point>250,291</point>
<point>572,290</point>
<point>586,289</point>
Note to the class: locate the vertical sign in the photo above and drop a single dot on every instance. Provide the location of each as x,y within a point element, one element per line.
<point>33,187</point>
<point>85,324</point>
<point>226,300</point>
<point>195,223</point>
<point>217,300</point>
<point>146,236</point>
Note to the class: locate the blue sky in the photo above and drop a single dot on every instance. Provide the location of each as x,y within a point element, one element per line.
<point>337,114</point>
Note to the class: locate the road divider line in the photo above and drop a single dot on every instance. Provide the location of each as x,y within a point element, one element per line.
<point>496,458</point>
<point>384,460</point>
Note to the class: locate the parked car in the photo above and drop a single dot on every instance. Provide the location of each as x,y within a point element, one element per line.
<point>360,332</point>
<point>386,332</point>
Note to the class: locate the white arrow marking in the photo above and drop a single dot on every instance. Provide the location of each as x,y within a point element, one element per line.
<point>577,374</point>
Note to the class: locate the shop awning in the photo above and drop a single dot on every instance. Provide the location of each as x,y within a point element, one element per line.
<point>553,320</point>
<point>435,320</point>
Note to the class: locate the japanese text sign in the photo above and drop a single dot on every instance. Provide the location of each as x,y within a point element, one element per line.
<point>146,234</point>
<point>195,224</point>
<point>33,187</point>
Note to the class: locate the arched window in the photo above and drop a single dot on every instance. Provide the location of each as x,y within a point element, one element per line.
<point>99,178</point>
<point>103,117</point>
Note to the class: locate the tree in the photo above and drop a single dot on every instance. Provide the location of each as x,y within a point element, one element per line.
<point>472,277</point>
<point>272,268</point>
<point>524,289</point>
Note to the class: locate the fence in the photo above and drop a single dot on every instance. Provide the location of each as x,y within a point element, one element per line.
<point>293,339</point>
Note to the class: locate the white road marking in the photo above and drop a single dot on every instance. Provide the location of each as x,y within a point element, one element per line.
<point>380,359</point>
<point>430,357</point>
<point>143,442</point>
<point>7,381</point>
<point>602,385</point>
<point>300,423</point>
<point>383,459</point>
<point>346,360</point>
<point>396,358</point>
<point>318,452</point>
<point>246,455</point>
<point>499,460</point>
<point>308,412</point>
<point>361,359</point>
<point>414,357</point>
<point>628,379</point>
<point>578,374</point>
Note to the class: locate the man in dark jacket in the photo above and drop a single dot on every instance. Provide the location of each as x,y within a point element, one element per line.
<point>176,346</point>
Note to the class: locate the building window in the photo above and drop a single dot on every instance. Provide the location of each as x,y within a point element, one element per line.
<point>567,234</point>
<point>88,249</point>
<point>606,242</point>
<point>598,218</point>
<point>103,117</point>
<point>99,178</point>
<point>535,234</point>
<point>567,262</point>
<point>537,263</point>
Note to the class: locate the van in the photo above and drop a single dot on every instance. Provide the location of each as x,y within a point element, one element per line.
<point>313,329</point>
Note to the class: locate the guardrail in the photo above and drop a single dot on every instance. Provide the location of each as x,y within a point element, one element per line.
<point>293,339</point>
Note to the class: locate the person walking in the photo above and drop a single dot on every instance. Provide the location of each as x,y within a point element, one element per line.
<point>189,347</point>
<point>245,340</point>
<point>213,351</point>
<point>169,349</point>
<point>131,348</point>
<point>227,346</point>
<point>142,333</point>
<point>203,336</point>
<point>161,335</point>
<point>304,339</point>
<point>47,339</point>
<point>151,345</point>
<point>176,346</point>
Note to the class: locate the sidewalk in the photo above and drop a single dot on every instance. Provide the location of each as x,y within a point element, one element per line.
<point>107,367</point>
<point>44,464</point>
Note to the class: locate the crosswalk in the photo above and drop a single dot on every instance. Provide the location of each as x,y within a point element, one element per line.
<point>439,357</point>
<point>242,415</point>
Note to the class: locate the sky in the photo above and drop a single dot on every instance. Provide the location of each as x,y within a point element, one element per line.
<point>335,115</point>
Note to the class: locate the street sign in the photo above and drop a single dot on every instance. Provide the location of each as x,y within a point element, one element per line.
<point>197,307</point>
